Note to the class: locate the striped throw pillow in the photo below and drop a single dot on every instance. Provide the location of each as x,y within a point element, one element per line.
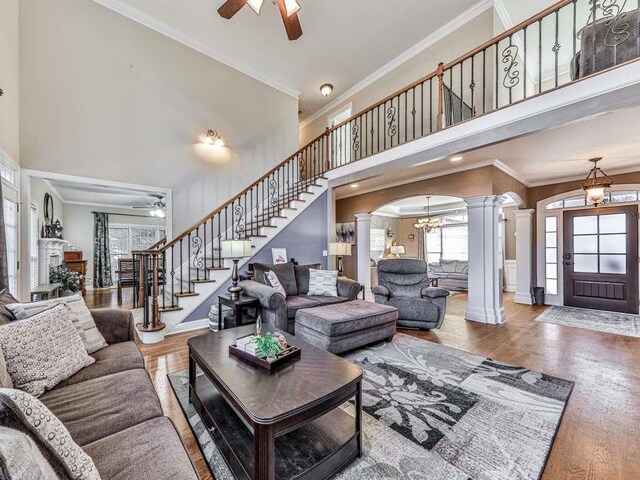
<point>323,283</point>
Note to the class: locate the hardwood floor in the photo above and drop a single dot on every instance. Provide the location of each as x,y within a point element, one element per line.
<point>108,298</point>
<point>599,438</point>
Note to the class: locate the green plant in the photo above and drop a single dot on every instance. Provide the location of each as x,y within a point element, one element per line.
<point>268,346</point>
<point>68,280</point>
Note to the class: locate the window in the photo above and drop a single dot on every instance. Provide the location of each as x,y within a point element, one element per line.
<point>123,239</point>
<point>11,230</point>
<point>551,255</point>
<point>377,239</point>
<point>341,138</point>
<point>451,242</point>
<point>8,174</point>
<point>580,200</point>
<point>34,234</point>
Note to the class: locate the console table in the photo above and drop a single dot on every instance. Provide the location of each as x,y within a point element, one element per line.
<point>246,408</point>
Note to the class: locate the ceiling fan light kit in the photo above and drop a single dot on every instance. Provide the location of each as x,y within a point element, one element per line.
<point>288,10</point>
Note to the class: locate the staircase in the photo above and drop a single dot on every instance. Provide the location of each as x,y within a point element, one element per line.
<point>175,277</point>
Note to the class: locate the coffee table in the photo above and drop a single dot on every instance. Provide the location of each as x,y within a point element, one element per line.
<point>284,424</point>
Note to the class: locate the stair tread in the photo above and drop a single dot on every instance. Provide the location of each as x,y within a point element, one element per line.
<point>171,309</point>
<point>186,294</point>
<point>203,281</point>
<point>218,268</point>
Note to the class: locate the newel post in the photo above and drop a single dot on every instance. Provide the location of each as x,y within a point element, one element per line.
<point>440,74</point>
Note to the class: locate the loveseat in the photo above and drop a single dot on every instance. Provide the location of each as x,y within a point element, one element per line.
<point>450,273</point>
<point>280,312</point>
<point>112,411</point>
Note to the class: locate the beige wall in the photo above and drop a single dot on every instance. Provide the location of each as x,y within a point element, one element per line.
<point>406,229</point>
<point>384,223</point>
<point>463,40</point>
<point>38,190</point>
<point>78,228</point>
<point>9,79</point>
<point>509,233</point>
<point>104,97</point>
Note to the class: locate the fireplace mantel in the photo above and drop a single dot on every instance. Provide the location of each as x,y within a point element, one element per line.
<point>50,254</point>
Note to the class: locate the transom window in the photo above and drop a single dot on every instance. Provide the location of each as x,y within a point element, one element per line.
<point>581,200</point>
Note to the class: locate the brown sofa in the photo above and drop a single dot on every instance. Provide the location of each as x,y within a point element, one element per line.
<point>280,312</point>
<point>112,411</point>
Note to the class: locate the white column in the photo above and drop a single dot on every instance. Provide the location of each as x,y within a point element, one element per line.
<point>485,260</point>
<point>363,249</point>
<point>524,255</point>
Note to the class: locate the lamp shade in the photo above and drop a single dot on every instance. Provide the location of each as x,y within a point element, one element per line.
<point>236,248</point>
<point>398,250</point>
<point>340,249</point>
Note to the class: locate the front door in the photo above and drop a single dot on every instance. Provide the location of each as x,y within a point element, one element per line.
<point>601,259</point>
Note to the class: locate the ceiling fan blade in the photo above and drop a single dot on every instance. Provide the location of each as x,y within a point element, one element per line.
<point>291,24</point>
<point>231,7</point>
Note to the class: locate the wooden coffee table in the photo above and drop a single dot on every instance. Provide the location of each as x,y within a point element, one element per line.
<point>285,424</point>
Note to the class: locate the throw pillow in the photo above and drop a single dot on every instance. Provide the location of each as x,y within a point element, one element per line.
<point>323,282</point>
<point>82,318</point>
<point>5,299</point>
<point>30,416</point>
<point>43,350</point>
<point>5,379</point>
<point>272,278</point>
<point>20,457</point>
<point>285,272</point>
<point>302,277</point>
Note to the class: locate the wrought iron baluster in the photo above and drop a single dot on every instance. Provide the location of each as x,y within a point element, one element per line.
<point>462,91</point>
<point>406,118</point>
<point>188,266</point>
<point>524,79</point>
<point>472,86</point>
<point>556,46</point>
<point>496,101</point>
<point>511,74</point>
<point>413,111</point>
<point>173,278</point>
<point>540,56</point>
<point>181,266</point>
<point>484,81</point>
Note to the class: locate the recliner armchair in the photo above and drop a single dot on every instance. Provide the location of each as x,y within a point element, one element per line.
<point>404,283</point>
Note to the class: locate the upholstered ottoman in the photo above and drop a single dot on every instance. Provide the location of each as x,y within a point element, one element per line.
<point>342,327</point>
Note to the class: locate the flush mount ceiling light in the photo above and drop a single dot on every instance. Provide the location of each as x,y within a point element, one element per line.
<point>428,223</point>
<point>596,183</point>
<point>457,158</point>
<point>213,138</point>
<point>326,89</point>
<point>288,12</point>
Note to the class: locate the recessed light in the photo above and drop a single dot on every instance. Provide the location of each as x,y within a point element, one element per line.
<point>457,158</point>
<point>354,185</point>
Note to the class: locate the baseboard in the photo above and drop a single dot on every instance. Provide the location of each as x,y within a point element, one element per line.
<point>523,298</point>
<point>482,315</point>
<point>189,326</point>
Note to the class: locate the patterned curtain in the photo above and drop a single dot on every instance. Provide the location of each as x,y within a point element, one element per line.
<point>101,260</point>
<point>4,266</point>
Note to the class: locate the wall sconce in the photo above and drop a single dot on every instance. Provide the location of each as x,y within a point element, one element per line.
<point>411,237</point>
<point>213,138</point>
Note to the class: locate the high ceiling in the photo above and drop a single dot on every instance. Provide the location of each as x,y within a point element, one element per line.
<point>548,156</point>
<point>413,206</point>
<point>344,41</point>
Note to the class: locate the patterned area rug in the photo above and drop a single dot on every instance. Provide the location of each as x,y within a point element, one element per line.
<point>436,413</point>
<point>610,322</point>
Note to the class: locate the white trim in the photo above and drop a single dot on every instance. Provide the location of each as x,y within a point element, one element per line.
<point>189,326</point>
<point>509,171</point>
<point>344,108</point>
<point>53,190</point>
<point>404,57</point>
<point>164,29</point>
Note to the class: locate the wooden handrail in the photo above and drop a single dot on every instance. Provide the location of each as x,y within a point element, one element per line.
<point>158,249</point>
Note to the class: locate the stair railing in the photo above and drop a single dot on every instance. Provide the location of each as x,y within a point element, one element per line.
<point>506,70</point>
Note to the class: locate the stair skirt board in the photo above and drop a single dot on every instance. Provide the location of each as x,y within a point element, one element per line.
<point>184,304</point>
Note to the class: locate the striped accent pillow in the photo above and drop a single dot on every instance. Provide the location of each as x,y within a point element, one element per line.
<point>323,283</point>
<point>272,278</point>
<point>81,318</point>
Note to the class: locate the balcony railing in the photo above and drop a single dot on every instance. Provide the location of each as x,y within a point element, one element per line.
<point>568,41</point>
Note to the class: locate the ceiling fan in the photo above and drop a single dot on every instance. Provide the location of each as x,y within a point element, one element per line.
<point>156,209</point>
<point>288,10</point>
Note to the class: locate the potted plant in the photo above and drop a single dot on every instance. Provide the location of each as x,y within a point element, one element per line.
<point>69,281</point>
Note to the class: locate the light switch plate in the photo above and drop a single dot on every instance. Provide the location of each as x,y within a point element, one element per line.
<point>325,253</point>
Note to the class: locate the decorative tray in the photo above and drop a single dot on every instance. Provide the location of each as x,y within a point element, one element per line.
<point>286,355</point>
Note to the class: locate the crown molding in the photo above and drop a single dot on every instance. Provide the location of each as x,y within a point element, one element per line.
<point>418,48</point>
<point>164,29</point>
<point>512,173</point>
<point>54,190</point>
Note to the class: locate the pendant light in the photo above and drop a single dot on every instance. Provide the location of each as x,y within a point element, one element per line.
<point>596,183</point>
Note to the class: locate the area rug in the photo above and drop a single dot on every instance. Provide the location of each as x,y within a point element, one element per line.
<point>436,413</point>
<point>600,321</point>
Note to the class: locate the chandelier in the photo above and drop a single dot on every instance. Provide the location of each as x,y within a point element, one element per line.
<point>596,183</point>
<point>428,223</point>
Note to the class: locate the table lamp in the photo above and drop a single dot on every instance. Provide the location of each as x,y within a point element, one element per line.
<point>398,250</point>
<point>235,250</point>
<point>340,249</point>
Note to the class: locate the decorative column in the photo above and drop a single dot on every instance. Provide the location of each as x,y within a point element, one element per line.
<point>485,260</point>
<point>363,249</point>
<point>524,255</point>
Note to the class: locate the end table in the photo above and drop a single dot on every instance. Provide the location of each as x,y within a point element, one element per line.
<point>239,306</point>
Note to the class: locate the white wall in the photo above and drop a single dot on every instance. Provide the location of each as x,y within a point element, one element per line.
<point>9,79</point>
<point>78,228</point>
<point>104,97</point>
